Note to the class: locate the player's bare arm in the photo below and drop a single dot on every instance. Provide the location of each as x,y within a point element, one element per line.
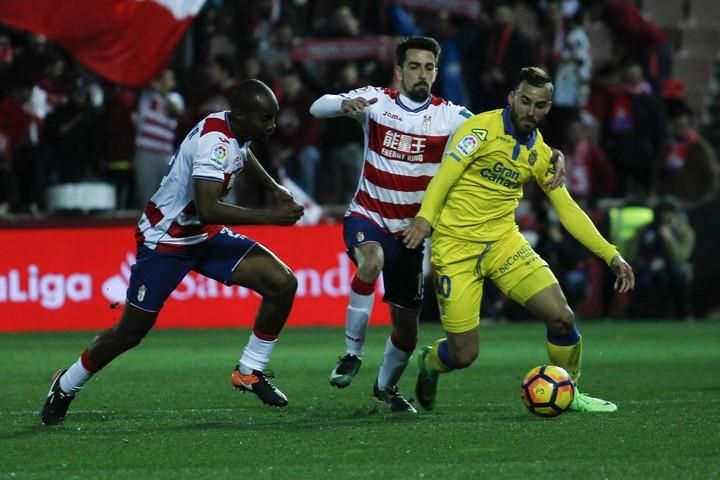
<point>212,210</point>
<point>625,277</point>
<point>280,193</point>
<point>418,230</point>
<point>558,162</point>
<point>357,105</point>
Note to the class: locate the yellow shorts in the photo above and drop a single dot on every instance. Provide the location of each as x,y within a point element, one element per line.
<point>461,267</point>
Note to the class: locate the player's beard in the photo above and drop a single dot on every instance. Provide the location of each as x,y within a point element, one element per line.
<point>518,124</point>
<point>419,92</point>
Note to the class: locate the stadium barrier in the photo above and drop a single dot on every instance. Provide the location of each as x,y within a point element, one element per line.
<point>75,279</point>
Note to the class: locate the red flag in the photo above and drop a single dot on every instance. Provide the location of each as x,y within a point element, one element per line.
<point>126,41</point>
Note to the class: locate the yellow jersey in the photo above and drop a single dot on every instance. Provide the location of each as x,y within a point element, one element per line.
<point>474,194</point>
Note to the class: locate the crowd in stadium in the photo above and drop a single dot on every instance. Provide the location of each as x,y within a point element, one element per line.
<point>630,131</point>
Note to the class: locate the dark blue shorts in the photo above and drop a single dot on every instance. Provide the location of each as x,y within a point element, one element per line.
<point>402,270</point>
<point>155,275</point>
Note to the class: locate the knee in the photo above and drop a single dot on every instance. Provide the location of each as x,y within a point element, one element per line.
<point>370,267</point>
<point>127,338</point>
<point>562,322</point>
<point>286,285</point>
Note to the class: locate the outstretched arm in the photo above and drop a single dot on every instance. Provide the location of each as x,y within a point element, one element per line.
<point>280,193</point>
<point>577,223</point>
<point>329,106</point>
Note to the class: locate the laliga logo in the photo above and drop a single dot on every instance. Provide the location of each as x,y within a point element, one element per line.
<point>50,289</point>
<point>53,290</point>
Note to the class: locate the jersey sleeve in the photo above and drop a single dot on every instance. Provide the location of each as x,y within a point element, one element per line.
<point>467,143</point>
<point>457,115</point>
<point>577,223</point>
<point>368,93</point>
<point>210,157</point>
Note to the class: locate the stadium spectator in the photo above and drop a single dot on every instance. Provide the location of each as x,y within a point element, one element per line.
<point>342,23</point>
<point>156,122</point>
<point>296,149</point>
<point>73,137</point>
<point>19,127</point>
<point>634,131</point>
<point>181,230</point>
<point>590,175</point>
<point>496,56</point>
<point>689,170</point>
<point>222,74</point>
<point>276,50</point>
<point>565,52</point>
<point>477,188</point>
<point>565,256</point>
<point>661,254</point>
<point>119,139</point>
<point>343,142</point>
<point>405,134</point>
<point>635,38</point>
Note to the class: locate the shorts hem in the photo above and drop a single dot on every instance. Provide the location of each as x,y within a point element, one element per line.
<point>144,309</point>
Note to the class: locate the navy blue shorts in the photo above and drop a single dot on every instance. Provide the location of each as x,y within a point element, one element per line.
<point>155,275</point>
<point>402,270</point>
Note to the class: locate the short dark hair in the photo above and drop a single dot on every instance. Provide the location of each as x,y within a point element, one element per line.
<point>419,43</point>
<point>535,76</point>
<point>250,95</point>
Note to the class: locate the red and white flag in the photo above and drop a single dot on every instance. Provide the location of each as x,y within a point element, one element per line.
<point>126,41</point>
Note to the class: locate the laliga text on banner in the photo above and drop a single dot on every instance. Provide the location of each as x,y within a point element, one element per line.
<point>52,290</point>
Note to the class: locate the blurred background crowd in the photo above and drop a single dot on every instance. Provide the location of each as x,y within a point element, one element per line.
<point>636,111</point>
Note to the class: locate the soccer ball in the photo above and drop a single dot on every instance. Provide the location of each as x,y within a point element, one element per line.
<point>547,390</point>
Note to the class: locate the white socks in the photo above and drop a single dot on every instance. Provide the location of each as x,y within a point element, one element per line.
<point>256,354</point>
<point>74,378</point>
<point>356,321</point>
<point>394,363</point>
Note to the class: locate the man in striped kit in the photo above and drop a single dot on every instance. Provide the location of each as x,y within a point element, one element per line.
<point>405,135</point>
<point>183,228</point>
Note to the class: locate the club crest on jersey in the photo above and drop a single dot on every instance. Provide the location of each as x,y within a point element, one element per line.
<point>467,145</point>
<point>360,236</point>
<point>532,157</point>
<point>426,123</point>
<point>218,156</point>
<point>141,293</point>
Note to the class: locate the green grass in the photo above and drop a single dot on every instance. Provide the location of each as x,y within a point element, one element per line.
<point>165,410</point>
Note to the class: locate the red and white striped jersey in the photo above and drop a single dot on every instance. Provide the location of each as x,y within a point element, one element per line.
<point>209,152</point>
<point>155,127</point>
<point>404,145</point>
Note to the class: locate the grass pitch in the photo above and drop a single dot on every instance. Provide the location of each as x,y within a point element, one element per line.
<point>166,410</point>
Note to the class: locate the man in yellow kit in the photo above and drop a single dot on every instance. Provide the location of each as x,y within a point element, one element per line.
<point>470,205</point>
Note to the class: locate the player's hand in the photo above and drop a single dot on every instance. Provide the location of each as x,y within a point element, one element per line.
<point>357,105</point>
<point>282,195</point>
<point>625,278</point>
<point>558,163</point>
<point>287,213</point>
<point>416,232</point>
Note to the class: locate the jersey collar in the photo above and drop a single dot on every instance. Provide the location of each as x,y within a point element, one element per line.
<point>400,104</point>
<point>229,127</point>
<point>529,142</point>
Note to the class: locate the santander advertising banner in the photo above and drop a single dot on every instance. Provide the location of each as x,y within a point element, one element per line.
<point>75,279</point>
